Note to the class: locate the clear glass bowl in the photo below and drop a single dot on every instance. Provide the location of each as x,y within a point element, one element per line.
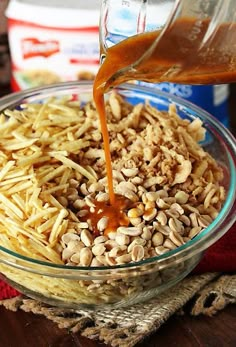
<point>64,285</point>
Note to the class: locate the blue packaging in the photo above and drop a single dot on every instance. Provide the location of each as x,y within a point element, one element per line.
<point>212,98</point>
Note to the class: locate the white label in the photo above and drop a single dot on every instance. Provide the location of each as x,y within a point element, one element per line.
<point>50,55</point>
<point>220,93</point>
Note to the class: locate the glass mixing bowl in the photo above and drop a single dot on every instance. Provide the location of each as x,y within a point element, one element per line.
<point>120,285</point>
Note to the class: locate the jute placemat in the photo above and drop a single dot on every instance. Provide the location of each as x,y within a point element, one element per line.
<point>125,327</point>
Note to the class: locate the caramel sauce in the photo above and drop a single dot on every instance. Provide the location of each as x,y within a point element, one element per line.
<point>209,63</point>
<point>115,214</point>
<point>100,105</point>
<point>178,55</point>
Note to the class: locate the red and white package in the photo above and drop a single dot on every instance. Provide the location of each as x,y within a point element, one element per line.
<point>50,43</point>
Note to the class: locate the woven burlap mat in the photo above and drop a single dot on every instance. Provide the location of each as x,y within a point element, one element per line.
<point>203,294</point>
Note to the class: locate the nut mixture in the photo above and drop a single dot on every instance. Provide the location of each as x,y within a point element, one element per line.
<point>158,165</point>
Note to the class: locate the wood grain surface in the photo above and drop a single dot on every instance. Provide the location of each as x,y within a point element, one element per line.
<point>20,329</point>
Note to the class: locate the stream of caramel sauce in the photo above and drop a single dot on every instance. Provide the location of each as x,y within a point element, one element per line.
<point>178,56</point>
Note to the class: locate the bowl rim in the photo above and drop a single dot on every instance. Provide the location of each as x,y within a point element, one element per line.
<point>206,238</point>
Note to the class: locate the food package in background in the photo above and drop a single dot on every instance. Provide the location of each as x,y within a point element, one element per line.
<point>212,98</point>
<point>52,41</point>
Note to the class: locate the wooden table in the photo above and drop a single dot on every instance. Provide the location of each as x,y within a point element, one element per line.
<point>20,329</point>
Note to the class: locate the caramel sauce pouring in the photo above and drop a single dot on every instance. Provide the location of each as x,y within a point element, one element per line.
<point>172,60</point>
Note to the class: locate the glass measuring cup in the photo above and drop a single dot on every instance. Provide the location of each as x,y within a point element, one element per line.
<point>179,41</point>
